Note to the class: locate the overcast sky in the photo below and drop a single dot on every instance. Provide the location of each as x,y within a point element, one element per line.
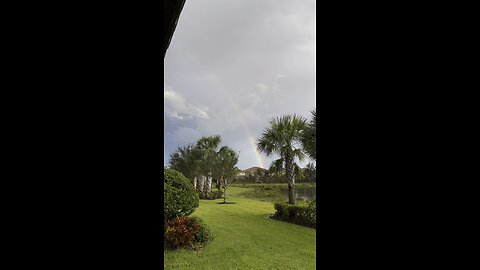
<point>232,66</point>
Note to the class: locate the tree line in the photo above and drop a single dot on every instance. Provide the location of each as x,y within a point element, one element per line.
<point>291,137</point>
<point>205,163</point>
<point>273,175</point>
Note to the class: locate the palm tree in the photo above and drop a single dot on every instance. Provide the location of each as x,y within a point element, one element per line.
<point>206,148</point>
<point>181,160</point>
<point>283,137</point>
<point>309,137</point>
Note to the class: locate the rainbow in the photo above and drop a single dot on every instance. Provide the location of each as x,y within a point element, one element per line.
<point>251,136</point>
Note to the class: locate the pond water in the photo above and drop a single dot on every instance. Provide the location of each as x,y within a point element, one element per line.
<point>306,193</point>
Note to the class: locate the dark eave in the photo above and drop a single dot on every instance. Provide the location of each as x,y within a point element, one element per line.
<point>172,10</point>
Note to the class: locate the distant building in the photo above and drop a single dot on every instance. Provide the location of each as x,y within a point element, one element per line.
<point>250,171</point>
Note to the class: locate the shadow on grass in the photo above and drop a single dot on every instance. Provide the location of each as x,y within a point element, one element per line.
<point>226,202</point>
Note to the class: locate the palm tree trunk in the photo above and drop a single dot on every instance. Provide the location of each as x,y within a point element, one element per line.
<point>225,191</point>
<point>291,178</point>
<point>208,184</point>
<point>201,182</point>
<point>195,182</point>
<point>219,183</point>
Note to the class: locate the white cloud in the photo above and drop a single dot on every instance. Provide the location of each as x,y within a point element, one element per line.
<point>251,61</point>
<point>177,107</point>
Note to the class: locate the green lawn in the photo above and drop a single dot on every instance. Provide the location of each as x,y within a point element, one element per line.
<point>269,192</point>
<point>245,239</point>
<point>272,185</point>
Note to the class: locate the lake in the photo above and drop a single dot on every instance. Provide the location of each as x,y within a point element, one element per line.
<point>306,193</point>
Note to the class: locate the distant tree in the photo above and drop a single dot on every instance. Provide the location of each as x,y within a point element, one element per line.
<point>183,160</point>
<point>201,162</point>
<point>276,167</point>
<point>309,137</point>
<point>249,178</point>
<point>225,169</point>
<point>282,138</point>
<point>298,172</point>
<point>227,182</point>
<point>310,172</point>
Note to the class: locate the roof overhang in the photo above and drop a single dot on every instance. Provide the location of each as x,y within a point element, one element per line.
<point>171,12</point>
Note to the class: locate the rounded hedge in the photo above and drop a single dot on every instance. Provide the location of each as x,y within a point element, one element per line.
<point>180,197</point>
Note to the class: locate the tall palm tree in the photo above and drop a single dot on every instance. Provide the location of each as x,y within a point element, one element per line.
<point>179,160</point>
<point>309,136</point>
<point>283,138</point>
<point>206,148</point>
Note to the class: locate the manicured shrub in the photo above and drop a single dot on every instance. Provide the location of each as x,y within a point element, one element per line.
<point>217,194</point>
<point>179,233</point>
<point>203,234</point>
<point>180,198</point>
<point>212,195</point>
<point>187,232</point>
<point>303,213</point>
<point>281,210</point>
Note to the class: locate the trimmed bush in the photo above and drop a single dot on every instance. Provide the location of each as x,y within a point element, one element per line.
<point>179,233</point>
<point>203,234</point>
<point>212,195</point>
<point>281,210</point>
<point>303,213</point>
<point>187,232</point>
<point>180,198</point>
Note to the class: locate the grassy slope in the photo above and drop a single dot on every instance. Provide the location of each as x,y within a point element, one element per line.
<point>245,239</point>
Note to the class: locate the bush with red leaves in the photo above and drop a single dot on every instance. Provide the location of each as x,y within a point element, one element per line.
<point>186,232</point>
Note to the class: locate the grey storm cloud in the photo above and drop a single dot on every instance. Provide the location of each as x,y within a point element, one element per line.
<point>234,65</point>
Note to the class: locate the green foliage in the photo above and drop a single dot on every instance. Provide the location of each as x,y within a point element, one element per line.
<point>206,147</point>
<point>212,195</point>
<point>202,159</point>
<point>203,234</point>
<point>303,213</point>
<point>187,160</point>
<point>180,197</point>
<point>265,194</point>
<point>179,233</point>
<point>217,194</point>
<point>245,239</point>
<point>281,210</point>
<point>310,173</point>
<point>309,137</point>
<point>281,138</point>
<point>186,232</point>
<point>225,162</point>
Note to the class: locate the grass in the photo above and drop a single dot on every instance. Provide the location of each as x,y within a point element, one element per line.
<point>269,192</point>
<point>245,239</point>
<point>272,185</point>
